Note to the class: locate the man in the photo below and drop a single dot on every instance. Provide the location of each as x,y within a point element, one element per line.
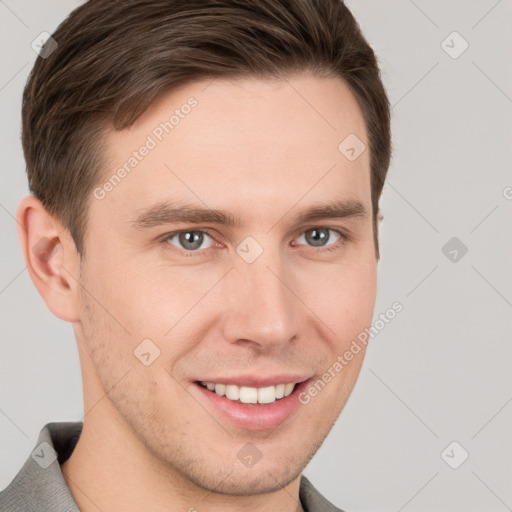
<point>206,178</point>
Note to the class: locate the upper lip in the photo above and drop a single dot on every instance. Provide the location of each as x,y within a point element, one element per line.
<point>258,381</point>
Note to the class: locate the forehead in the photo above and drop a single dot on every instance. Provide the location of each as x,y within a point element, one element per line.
<point>240,144</point>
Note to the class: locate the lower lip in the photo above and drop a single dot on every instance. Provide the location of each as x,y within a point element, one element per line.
<point>253,416</point>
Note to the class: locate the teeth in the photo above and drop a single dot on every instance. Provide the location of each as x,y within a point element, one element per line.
<point>280,390</point>
<point>247,395</point>
<point>232,392</point>
<point>267,395</point>
<point>220,389</point>
<point>288,389</point>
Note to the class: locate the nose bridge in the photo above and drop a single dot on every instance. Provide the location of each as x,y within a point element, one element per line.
<point>263,308</point>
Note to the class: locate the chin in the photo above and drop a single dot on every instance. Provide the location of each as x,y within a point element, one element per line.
<point>242,481</point>
<point>251,485</point>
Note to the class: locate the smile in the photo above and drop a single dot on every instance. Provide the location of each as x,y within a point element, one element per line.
<point>252,403</point>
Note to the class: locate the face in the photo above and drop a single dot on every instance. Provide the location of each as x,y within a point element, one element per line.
<point>212,258</point>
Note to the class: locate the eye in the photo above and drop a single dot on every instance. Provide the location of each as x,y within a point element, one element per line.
<point>189,240</point>
<point>318,237</point>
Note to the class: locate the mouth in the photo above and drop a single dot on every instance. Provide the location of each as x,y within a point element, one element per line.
<point>260,407</point>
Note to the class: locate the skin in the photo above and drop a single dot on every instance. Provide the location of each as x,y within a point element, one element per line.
<point>259,149</point>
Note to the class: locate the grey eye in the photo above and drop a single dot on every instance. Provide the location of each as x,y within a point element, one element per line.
<point>318,237</point>
<point>189,240</point>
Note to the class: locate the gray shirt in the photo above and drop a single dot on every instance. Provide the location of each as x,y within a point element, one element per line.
<point>39,485</point>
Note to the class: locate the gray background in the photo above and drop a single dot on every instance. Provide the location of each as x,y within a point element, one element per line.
<point>440,371</point>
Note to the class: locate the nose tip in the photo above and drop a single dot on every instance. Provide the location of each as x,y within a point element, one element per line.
<point>263,311</point>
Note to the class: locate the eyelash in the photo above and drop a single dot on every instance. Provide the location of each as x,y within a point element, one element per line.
<point>344,238</point>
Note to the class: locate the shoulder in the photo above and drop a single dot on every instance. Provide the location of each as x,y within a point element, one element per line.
<point>39,485</point>
<point>312,500</point>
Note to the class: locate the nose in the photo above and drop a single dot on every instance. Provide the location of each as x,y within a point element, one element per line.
<point>262,311</point>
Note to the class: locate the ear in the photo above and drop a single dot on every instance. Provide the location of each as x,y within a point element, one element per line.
<point>51,258</point>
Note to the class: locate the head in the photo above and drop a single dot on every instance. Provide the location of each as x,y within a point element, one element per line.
<point>271,118</point>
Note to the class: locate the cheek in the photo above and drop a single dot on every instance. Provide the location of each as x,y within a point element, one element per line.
<point>160,302</point>
<point>347,299</point>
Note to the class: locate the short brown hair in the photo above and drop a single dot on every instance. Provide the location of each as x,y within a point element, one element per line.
<point>114,58</point>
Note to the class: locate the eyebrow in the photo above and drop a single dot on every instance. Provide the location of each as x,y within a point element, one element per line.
<point>167,213</point>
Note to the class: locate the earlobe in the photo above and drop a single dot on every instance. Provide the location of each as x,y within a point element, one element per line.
<point>50,257</point>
